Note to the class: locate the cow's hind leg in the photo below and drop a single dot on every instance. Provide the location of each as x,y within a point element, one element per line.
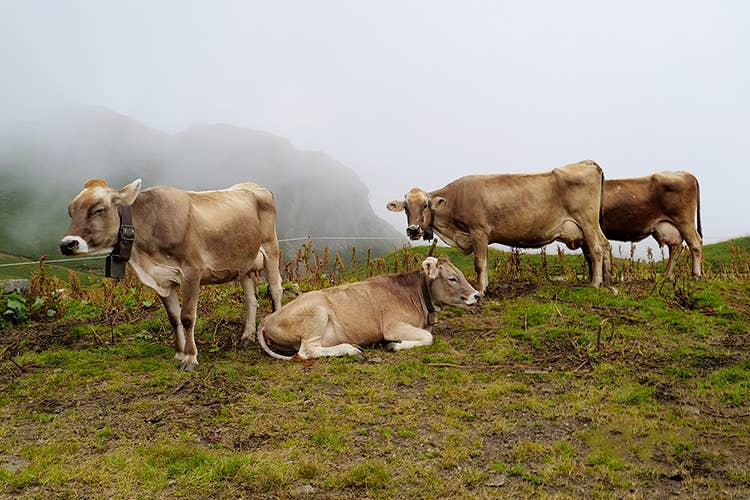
<point>271,256</point>
<point>250,287</point>
<point>312,349</point>
<point>587,257</point>
<point>172,305</point>
<point>321,331</point>
<point>598,246</point>
<point>404,336</point>
<point>695,243</point>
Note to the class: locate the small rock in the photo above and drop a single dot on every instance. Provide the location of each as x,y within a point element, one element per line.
<point>13,464</point>
<point>497,481</point>
<point>693,410</point>
<point>375,359</point>
<point>304,489</point>
<point>20,286</point>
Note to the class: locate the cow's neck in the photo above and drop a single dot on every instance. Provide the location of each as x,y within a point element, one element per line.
<point>115,265</point>
<point>427,295</point>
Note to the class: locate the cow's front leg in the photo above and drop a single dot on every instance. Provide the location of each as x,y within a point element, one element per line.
<point>172,305</point>
<point>404,336</point>
<point>480,242</point>
<point>190,291</point>
<point>250,288</point>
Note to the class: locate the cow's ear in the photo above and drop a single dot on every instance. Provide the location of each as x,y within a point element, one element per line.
<point>436,202</point>
<point>395,205</point>
<point>128,194</point>
<point>430,266</point>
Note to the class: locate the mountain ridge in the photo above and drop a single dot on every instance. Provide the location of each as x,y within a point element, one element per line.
<point>44,164</point>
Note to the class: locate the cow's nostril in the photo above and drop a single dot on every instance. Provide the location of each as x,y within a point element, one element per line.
<point>68,247</point>
<point>477,296</point>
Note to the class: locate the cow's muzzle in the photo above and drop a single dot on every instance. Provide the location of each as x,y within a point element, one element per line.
<point>71,245</point>
<point>473,299</point>
<point>414,232</point>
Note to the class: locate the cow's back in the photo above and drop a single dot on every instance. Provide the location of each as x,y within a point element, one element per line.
<point>218,233</point>
<point>524,209</point>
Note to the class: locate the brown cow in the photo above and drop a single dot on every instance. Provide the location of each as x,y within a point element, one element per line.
<point>664,205</point>
<point>184,239</point>
<point>519,210</point>
<point>397,308</point>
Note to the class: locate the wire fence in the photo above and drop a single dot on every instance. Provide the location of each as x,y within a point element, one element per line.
<point>283,240</point>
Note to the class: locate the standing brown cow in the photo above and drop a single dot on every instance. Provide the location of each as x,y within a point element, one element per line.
<point>518,210</point>
<point>183,239</point>
<point>664,205</point>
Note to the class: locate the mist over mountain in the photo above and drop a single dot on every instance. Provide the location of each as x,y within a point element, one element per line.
<point>43,166</point>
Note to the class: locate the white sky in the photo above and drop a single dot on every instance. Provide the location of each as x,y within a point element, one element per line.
<point>414,93</point>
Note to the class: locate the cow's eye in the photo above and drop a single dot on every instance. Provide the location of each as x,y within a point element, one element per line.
<point>96,211</point>
<point>453,279</point>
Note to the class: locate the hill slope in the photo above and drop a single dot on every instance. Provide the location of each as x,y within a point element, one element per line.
<point>719,253</point>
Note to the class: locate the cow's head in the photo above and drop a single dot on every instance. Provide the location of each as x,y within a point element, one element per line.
<point>447,284</point>
<point>95,224</point>
<point>420,210</point>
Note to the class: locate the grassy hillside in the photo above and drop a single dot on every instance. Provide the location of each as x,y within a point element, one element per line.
<point>548,388</point>
<point>14,267</point>
<point>720,253</point>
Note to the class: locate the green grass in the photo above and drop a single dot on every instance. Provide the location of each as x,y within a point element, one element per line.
<point>548,389</point>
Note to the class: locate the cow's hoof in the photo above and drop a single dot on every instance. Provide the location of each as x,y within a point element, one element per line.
<point>391,346</point>
<point>360,355</point>
<point>188,367</point>
<point>247,342</point>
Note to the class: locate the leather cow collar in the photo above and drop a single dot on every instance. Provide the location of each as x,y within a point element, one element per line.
<point>115,265</point>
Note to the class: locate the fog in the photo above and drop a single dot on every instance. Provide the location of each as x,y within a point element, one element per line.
<point>414,93</point>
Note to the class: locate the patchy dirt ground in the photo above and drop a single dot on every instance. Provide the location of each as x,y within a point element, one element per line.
<point>547,389</point>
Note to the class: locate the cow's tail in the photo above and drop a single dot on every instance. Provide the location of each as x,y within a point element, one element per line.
<point>265,346</point>
<point>698,193</point>
<point>601,199</point>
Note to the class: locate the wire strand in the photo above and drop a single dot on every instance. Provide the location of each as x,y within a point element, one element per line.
<point>306,238</point>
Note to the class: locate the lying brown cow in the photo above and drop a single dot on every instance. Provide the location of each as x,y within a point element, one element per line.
<point>518,210</point>
<point>398,309</point>
<point>183,239</point>
<point>663,205</point>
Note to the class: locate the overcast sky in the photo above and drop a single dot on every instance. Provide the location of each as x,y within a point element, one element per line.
<point>415,93</point>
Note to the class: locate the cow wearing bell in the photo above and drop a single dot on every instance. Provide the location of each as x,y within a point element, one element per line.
<point>184,239</point>
<point>518,210</point>
<point>398,309</point>
<point>664,205</point>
